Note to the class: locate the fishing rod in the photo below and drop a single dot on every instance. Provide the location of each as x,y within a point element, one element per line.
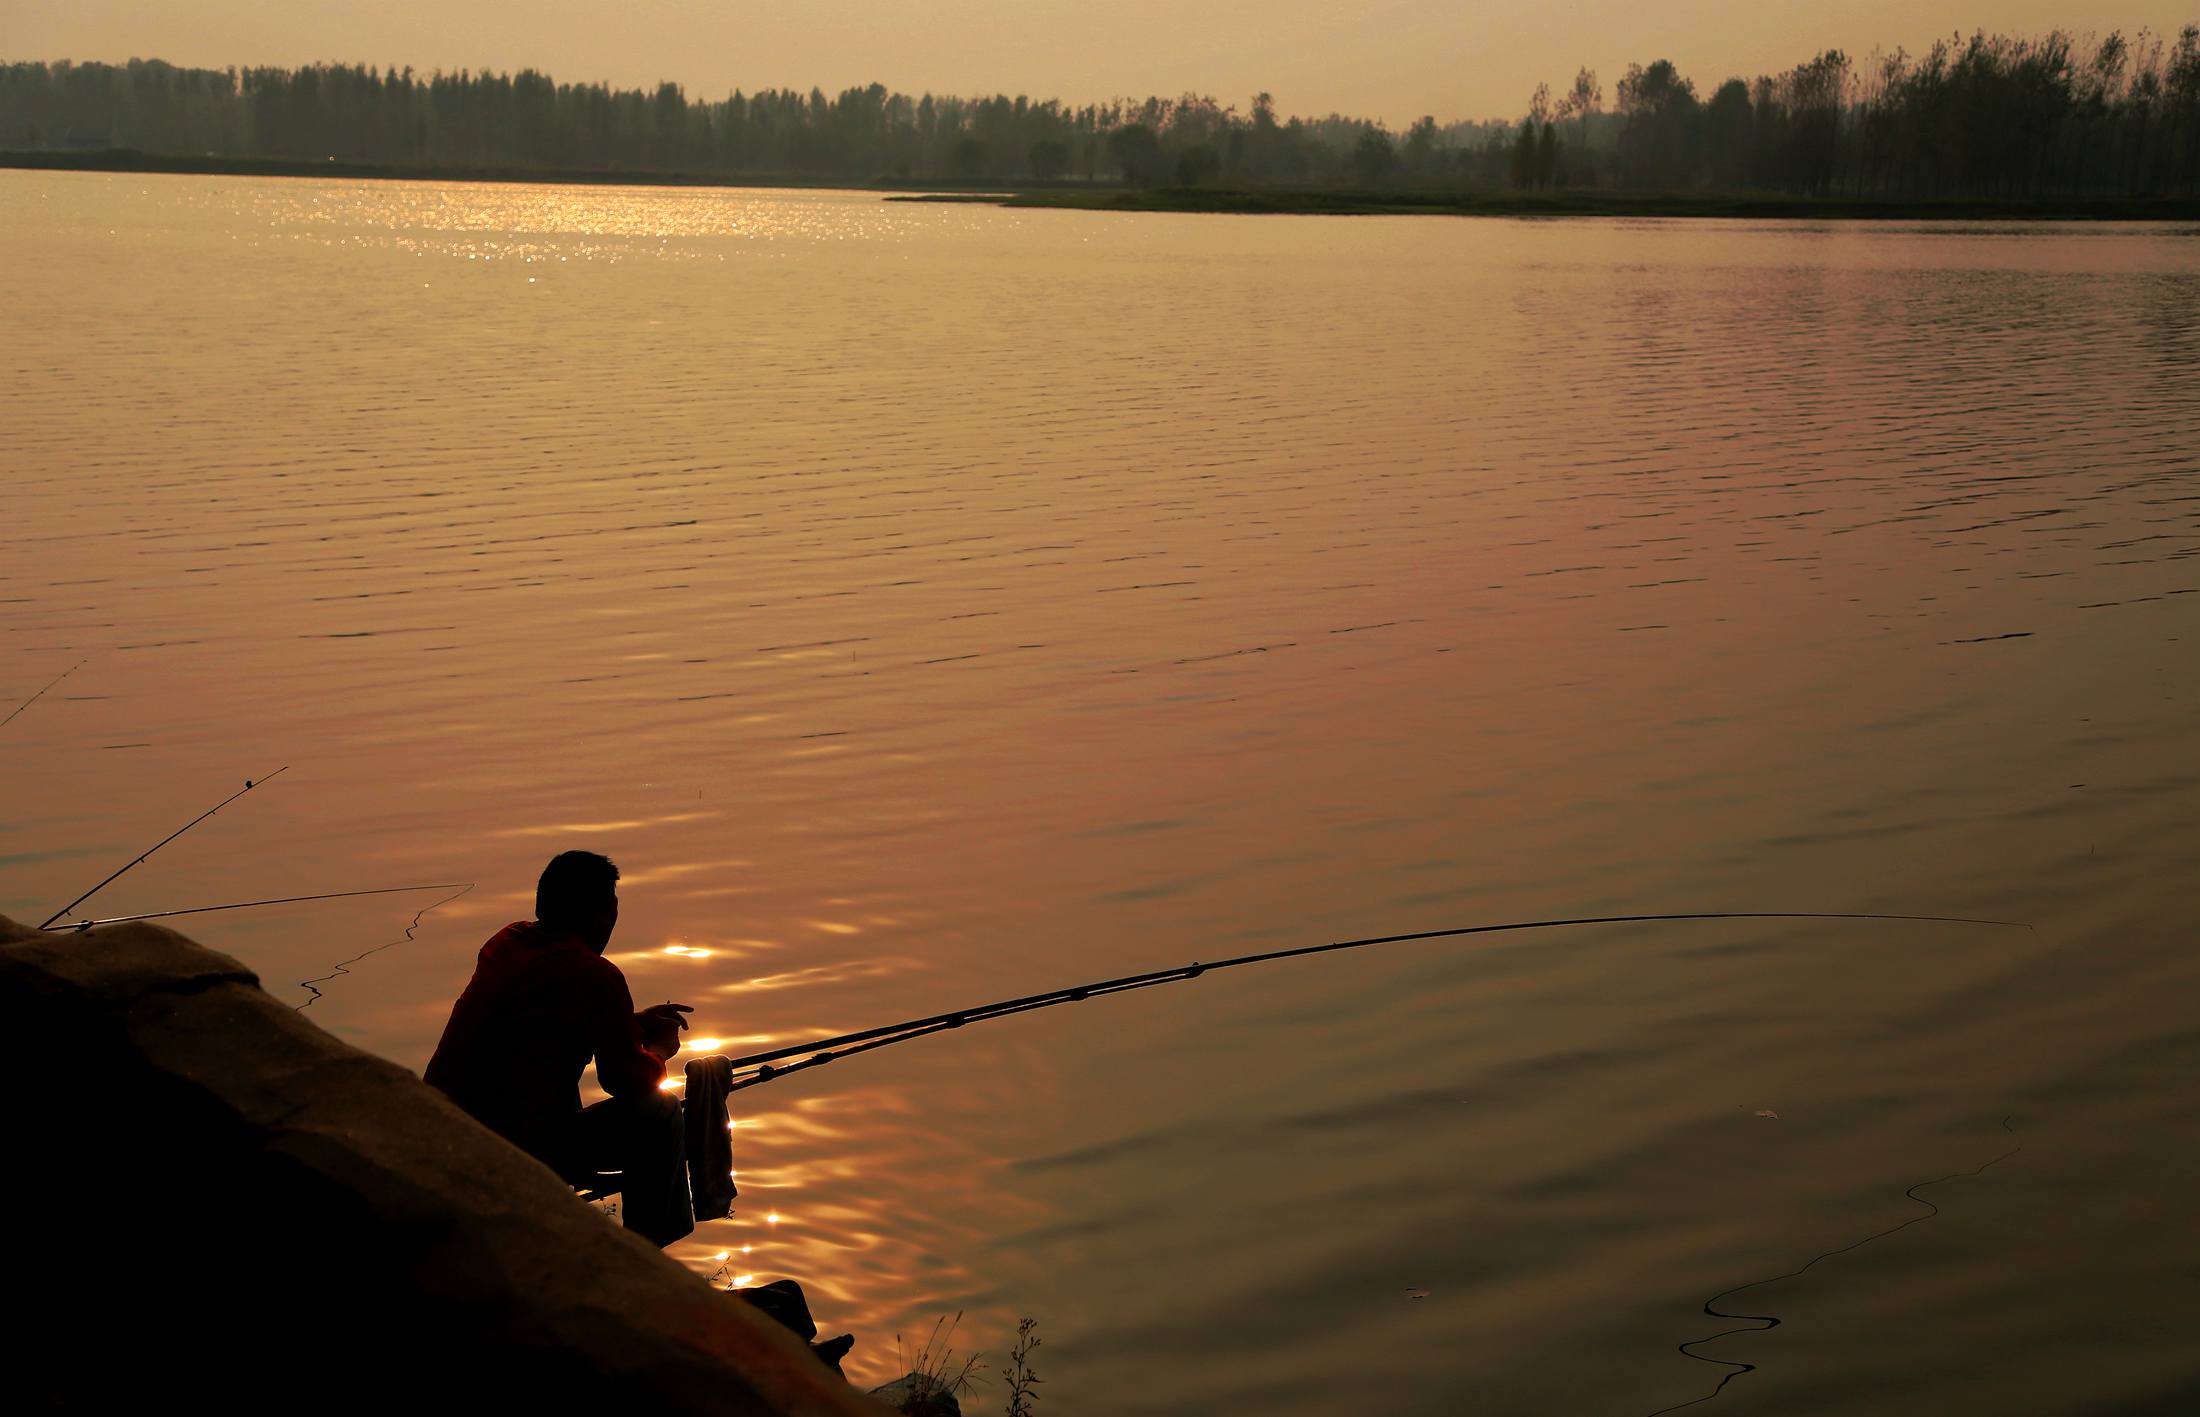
<point>762,1067</point>
<point>77,925</point>
<point>249,784</point>
<point>4,722</point>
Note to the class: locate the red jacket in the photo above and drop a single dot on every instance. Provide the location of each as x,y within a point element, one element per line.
<point>539,1006</point>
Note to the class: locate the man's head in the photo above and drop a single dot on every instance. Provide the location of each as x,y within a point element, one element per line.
<point>579,894</point>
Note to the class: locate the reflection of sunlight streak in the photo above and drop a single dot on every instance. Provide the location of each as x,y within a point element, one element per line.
<point>833,927</point>
<point>875,968</point>
<point>673,870</point>
<point>658,955</point>
<point>790,1176</point>
<point>807,1128</point>
<point>604,828</point>
<point>746,1041</point>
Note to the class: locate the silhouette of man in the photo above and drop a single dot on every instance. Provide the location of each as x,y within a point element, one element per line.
<point>542,1002</point>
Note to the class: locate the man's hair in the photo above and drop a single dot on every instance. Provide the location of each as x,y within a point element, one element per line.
<point>574,885</point>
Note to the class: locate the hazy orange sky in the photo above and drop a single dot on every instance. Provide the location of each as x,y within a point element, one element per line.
<point>1392,59</point>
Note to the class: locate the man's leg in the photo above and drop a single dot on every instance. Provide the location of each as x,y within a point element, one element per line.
<point>641,1138</point>
<point>784,1300</point>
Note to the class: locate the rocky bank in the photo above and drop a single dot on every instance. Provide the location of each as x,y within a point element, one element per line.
<point>213,1203</point>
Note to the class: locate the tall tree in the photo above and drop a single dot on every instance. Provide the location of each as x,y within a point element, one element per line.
<point>1658,141</point>
<point>1729,135</point>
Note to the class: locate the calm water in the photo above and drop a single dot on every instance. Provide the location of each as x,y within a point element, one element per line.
<point>932,604</point>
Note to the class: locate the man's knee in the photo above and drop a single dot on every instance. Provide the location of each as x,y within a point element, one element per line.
<point>647,1128</point>
<point>651,1109</point>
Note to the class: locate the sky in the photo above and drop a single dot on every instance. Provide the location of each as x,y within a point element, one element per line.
<point>1388,59</point>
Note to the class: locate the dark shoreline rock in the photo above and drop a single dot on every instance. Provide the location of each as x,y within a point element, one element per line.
<point>212,1201</point>
<point>914,1395</point>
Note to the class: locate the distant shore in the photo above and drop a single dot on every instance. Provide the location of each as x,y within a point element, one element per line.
<point>131,160</point>
<point>1756,206</point>
<point>1111,198</point>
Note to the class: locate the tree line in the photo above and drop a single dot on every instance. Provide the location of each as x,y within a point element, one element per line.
<point>1983,116</point>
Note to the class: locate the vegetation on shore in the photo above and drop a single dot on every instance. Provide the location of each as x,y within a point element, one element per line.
<point>1766,206</point>
<point>134,160</point>
<point>1991,118</point>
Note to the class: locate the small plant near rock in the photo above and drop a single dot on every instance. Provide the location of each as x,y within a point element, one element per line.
<point>936,1380</point>
<point>1021,1379</point>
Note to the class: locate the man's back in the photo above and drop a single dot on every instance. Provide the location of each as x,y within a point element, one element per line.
<point>540,1004</point>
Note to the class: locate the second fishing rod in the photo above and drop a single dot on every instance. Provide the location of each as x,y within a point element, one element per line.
<point>766,1066</point>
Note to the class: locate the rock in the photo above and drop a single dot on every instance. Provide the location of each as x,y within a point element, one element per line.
<point>914,1395</point>
<point>211,1202</point>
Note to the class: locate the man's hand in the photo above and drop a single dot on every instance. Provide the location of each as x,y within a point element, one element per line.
<point>661,1026</point>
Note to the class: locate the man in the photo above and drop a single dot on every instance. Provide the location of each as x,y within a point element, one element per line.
<point>542,1002</point>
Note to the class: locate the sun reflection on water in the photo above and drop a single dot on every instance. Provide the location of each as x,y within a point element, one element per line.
<point>550,224</point>
<point>812,1207</point>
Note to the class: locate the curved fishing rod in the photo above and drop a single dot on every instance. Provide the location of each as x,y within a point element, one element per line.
<point>76,925</point>
<point>825,1050</point>
<point>249,784</point>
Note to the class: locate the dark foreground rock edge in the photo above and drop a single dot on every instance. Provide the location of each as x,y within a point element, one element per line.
<point>210,1201</point>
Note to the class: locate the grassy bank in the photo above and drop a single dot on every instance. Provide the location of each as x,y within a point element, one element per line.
<point>1111,198</point>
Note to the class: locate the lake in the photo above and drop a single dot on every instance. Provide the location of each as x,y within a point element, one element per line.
<point>933,604</point>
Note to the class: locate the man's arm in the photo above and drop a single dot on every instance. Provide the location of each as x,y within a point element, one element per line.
<point>625,1065</point>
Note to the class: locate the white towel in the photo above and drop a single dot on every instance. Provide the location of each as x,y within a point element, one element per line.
<point>709,1137</point>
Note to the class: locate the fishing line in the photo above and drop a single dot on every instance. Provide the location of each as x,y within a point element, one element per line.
<point>343,967</point>
<point>825,1050</point>
<point>4,722</point>
<point>1764,1322</point>
<point>75,925</point>
<point>249,784</point>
